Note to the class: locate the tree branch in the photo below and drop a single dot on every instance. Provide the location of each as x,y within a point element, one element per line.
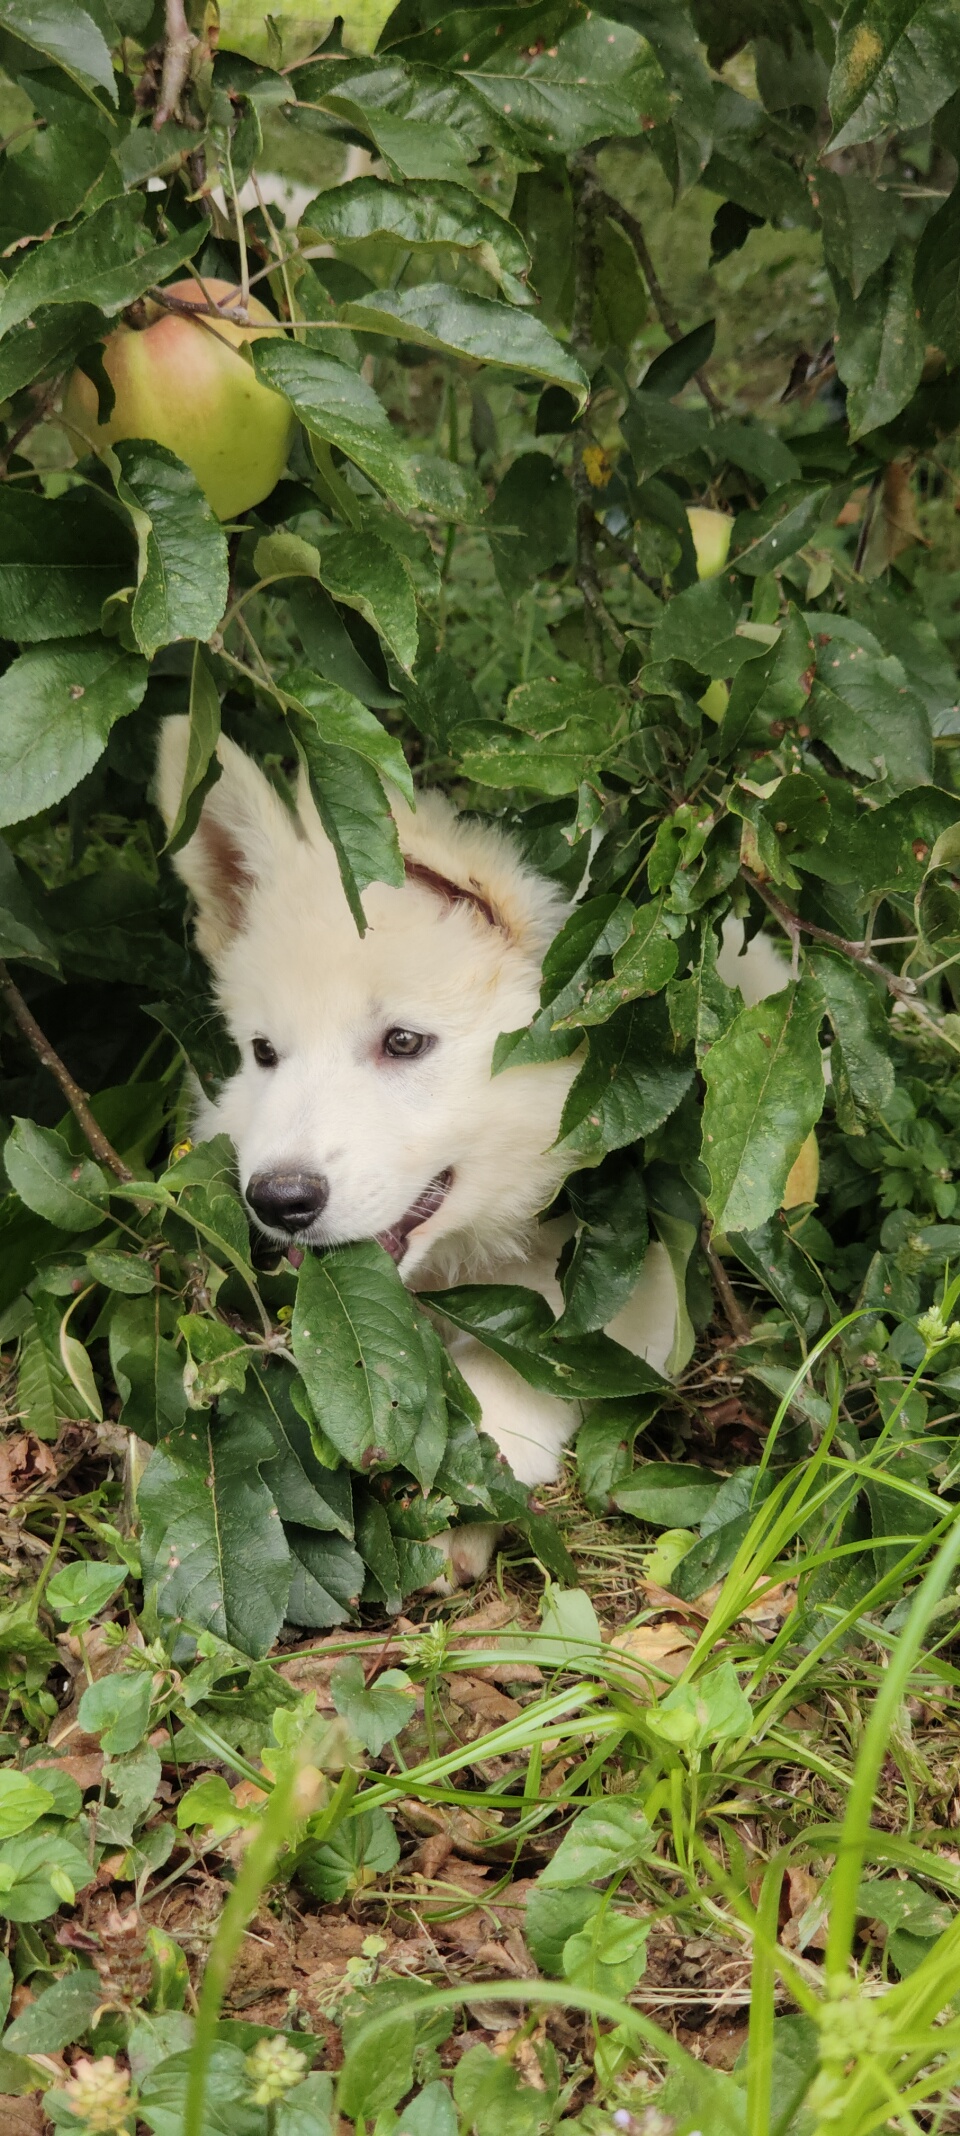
<point>737,1320</point>
<point>661,304</point>
<point>102,1149</point>
<point>178,46</point>
<point>901,989</point>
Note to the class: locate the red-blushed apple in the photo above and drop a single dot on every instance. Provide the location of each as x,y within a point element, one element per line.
<point>181,382</point>
<point>711,533</point>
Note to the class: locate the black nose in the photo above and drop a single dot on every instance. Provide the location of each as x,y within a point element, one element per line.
<point>287,1201</point>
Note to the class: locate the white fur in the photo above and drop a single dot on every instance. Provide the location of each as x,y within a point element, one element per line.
<point>290,966</point>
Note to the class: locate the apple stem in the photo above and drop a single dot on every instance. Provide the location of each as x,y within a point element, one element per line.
<point>178,45</point>
<point>40,1045</point>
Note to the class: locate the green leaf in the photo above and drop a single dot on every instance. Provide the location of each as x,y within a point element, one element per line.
<point>342,722</point>
<point>764,1095</point>
<point>212,1537</point>
<point>552,1917</point>
<point>26,1867</point>
<point>863,707</point>
<point>936,279</point>
<point>46,1392</point>
<point>896,62</point>
<point>658,434</point>
<point>859,229</point>
<point>880,344</point>
<point>183,571</point>
<point>200,760</point>
<point>147,1369</point>
<point>336,405</point>
<point>611,1207</point>
<point>517,1323</point>
<point>604,1840</point>
<point>643,964</point>
<point>59,2016</point>
<point>767,537</point>
<point>534,516</point>
<point>376,1713</point>
<point>304,1491</point>
<point>60,559</point>
<point>51,177</point>
<point>64,32</point>
<point>668,1494</point>
<point>326,1579</point>
<point>58,703</point>
<point>365,574</point>
<point>441,216</point>
<point>779,1262</point>
<point>355,815</point>
<point>22,1802</point>
<point>860,1060</point>
<point>69,1191</point>
<point>431,2113</point>
<point>117,1709</point>
<point>629,1085</point>
<point>227,2108</point>
<point>364,1848</point>
<point>438,316</point>
<point>358,1347</point>
<point>107,260</point>
<point>48,342</point>
<point>209,1802</point>
<point>712,1710</point>
<point>22,931</point>
<point>597,79</point>
<point>610,1956</point>
<point>80,1591</point>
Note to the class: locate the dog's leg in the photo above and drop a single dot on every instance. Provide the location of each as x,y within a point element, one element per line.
<point>468,1551</point>
<point>531,1428</point>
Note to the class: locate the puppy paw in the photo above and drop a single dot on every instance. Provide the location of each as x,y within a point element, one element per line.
<point>468,1551</point>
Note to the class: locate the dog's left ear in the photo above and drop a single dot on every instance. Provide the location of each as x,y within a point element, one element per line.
<point>242,838</point>
<point>468,864</point>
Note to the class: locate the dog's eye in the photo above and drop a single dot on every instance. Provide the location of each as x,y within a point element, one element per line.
<point>264,1054</point>
<point>405,1045</point>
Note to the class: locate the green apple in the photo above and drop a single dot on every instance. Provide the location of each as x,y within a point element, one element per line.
<point>291,34</point>
<point>184,384</point>
<point>714,701</point>
<point>711,538</point>
<point>804,1177</point>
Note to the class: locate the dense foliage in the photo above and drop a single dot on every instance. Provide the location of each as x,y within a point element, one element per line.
<point>544,280</point>
<point>479,562</point>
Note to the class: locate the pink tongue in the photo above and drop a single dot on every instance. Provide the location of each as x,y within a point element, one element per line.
<point>395,1240</point>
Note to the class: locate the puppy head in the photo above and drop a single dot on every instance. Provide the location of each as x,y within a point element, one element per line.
<point>365,1105</point>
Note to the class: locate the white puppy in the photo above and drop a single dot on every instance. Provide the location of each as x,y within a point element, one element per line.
<point>364,1106</point>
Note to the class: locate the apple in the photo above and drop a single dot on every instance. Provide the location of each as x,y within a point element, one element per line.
<point>711,533</point>
<point>182,383</point>
<point>804,1177</point>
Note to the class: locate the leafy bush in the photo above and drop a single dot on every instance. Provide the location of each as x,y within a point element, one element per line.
<point>481,562</point>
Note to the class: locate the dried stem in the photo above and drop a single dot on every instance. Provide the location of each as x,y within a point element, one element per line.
<point>596,615</point>
<point>102,1149</point>
<point>178,46</point>
<point>737,1320</point>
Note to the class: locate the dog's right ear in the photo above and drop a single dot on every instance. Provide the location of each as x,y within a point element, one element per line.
<point>242,837</point>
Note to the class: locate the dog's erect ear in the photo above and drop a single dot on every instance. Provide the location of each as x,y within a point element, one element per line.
<point>242,836</point>
<point>471,864</point>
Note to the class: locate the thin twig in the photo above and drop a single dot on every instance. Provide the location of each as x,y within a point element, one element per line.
<point>41,407</point>
<point>102,1149</point>
<point>178,46</point>
<point>736,1317</point>
<point>901,989</point>
<point>661,303</point>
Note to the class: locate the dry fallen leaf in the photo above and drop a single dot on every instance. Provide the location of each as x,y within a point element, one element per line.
<point>650,1652</point>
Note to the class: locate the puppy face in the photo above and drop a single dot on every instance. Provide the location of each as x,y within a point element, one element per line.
<point>365,1106</point>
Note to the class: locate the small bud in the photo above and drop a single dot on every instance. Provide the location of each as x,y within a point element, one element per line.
<point>273,2068</point>
<point>99,2095</point>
